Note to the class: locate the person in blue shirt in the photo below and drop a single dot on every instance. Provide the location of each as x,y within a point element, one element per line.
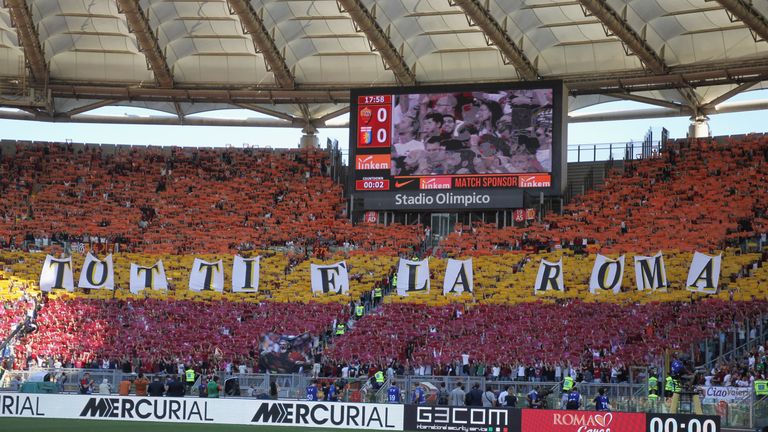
<point>533,399</point>
<point>312,391</point>
<point>574,400</point>
<point>417,396</point>
<point>601,401</point>
<point>330,395</point>
<point>393,393</point>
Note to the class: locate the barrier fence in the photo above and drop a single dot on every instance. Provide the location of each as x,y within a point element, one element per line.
<point>342,415</point>
<point>739,409</point>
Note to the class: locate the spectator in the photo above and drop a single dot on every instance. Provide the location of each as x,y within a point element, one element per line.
<point>125,386</point>
<point>105,387</point>
<point>488,398</point>
<point>475,396</point>
<point>86,383</point>
<point>457,396</point>
<point>156,388</point>
<point>141,385</point>
<point>213,387</point>
<point>175,387</point>
<point>442,395</point>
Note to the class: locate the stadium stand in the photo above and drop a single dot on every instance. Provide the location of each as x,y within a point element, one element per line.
<point>213,203</point>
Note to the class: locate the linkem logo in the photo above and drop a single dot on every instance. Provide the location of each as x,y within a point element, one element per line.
<point>535,181</point>
<point>372,162</point>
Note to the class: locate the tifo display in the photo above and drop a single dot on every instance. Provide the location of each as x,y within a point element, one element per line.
<point>413,276</point>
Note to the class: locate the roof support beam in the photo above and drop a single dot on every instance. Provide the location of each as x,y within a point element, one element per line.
<point>254,25</point>
<point>748,15</point>
<point>621,29</point>
<point>138,24</point>
<point>727,95</point>
<point>650,101</point>
<point>498,35</point>
<point>89,107</point>
<point>29,39</point>
<point>393,58</point>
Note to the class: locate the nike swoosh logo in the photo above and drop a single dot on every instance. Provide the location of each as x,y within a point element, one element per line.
<point>401,184</point>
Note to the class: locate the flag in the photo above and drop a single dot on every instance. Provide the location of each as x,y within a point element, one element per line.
<point>607,274</point>
<point>97,274</point>
<point>57,274</point>
<point>704,273</point>
<point>331,278</point>
<point>550,277</point>
<point>458,277</point>
<point>148,277</point>
<point>650,272</point>
<point>206,276</point>
<point>245,274</point>
<point>412,276</point>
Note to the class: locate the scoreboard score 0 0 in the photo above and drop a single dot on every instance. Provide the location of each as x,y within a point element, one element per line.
<point>374,115</point>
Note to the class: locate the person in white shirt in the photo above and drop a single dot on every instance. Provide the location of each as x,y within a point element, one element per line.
<point>105,387</point>
<point>242,369</point>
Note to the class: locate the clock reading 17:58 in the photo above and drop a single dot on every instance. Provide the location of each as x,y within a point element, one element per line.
<point>376,99</point>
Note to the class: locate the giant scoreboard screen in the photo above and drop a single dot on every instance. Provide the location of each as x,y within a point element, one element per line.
<point>457,147</point>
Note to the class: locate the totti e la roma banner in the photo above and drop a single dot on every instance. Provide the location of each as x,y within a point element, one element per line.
<point>413,276</point>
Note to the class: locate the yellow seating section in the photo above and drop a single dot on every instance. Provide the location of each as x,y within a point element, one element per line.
<point>495,282</point>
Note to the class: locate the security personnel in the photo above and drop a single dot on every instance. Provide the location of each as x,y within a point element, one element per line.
<point>340,329</point>
<point>653,388</point>
<point>669,386</point>
<point>359,311</point>
<point>677,387</point>
<point>761,388</point>
<point>394,280</point>
<point>377,294</point>
<point>568,383</point>
<point>189,378</point>
<point>379,377</point>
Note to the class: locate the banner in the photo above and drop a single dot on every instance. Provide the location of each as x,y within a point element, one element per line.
<point>607,275</point>
<point>332,278</point>
<point>97,274</point>
<point>458,277</point>
<point>57,274</point>
<point>412,276</point>
<point>465,419</point>
<point>245,274</point>
<point>236,411</point>
<point>148,277</point>
<point>713,394</point>
<point>206,276</point>
<point>650,272</point>
<point>580,421</point>
<point>284,354</point>
<point>550,277</point>
<point>704,273</point>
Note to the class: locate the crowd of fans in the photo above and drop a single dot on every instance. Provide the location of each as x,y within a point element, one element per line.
<point>208,201</point>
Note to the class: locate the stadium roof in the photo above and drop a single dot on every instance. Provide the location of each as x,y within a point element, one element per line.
<point>295,60</point>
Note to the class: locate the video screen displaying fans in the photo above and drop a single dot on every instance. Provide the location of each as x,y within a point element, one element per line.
<point>464,133</point>
<point>460,139</point>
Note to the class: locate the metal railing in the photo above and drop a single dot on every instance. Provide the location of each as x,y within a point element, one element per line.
<point>610,151</point>
<point>626,396</point>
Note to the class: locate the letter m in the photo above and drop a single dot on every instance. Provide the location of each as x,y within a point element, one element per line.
<point>268,413</point>
<point>96,407</point>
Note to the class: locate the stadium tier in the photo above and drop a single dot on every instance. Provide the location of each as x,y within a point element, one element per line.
<point>175,205</point>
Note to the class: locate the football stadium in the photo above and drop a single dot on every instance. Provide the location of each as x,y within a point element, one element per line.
<point>450,264</point>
